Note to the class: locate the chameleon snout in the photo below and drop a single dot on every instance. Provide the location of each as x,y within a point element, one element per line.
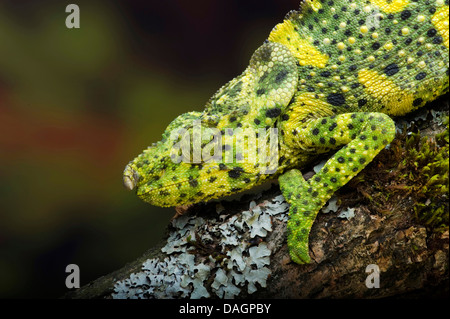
<point>130,178</point>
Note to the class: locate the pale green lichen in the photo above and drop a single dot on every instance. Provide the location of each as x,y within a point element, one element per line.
<point>227,264</point>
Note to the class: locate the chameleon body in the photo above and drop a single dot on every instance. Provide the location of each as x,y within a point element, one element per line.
<point>328,79</point>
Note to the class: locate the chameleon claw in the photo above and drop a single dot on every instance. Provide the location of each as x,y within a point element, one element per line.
<point>299,253</point>
<point>300,258</point>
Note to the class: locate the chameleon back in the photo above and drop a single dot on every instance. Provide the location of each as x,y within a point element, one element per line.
<point>368,55</point>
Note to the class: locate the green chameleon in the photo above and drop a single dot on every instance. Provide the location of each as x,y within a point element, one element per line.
<point>327,79</point>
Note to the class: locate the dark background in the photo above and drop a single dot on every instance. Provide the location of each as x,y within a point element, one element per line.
<point>77,104</point>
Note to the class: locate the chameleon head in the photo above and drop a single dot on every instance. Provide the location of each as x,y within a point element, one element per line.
<point>163,176</point>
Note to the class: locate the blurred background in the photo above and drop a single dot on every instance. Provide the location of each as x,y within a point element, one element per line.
<point>77,104</point>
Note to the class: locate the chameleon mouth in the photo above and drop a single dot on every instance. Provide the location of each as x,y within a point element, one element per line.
<point>168,196</point>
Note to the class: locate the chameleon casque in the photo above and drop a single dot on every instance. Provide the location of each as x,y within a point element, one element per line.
<point>328,79</point>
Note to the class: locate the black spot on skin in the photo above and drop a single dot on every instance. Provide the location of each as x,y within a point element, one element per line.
<point>281,76</point>
<point>355,169</point>
<point>352,150</point>
<point>325,74</point>
<point>408,41</point>
<point>317,179</point>
<point>314,194</point>
<point>333,180</point>
<point>405,14</point>
<point>362,137</point>
<point>352,67</point>
<point>341,159</point>
<point>324,121</point>
<point>235,172</point>
<point>222,166</point>
<point>336,99</point>
<point>362,102</point>
<point>260,92</point>
<point>322,140</point>
<point>332,141</point>
<point>332,126</point>
<point>417,102</point>
<point>431,32</point>
<point>193,183</point>
<point>257,122</point>
<point>212,179</point>
<point>391,69</point>
<point>285,117</point>
<point>232,119</point>
<point>376,46</point>
<point>273,112</point>
<point>438,40</point>
<point>362,160</point>
<point>315,131</point>
<point>350,126</point>
<point>421,76</point>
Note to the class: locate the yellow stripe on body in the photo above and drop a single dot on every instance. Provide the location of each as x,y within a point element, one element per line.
<point>391,96</point>
<point>306,53</point>
<point>390,6</point>
<point>440,22</point>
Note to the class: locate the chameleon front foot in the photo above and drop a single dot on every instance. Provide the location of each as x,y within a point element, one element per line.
<point>360,137</point>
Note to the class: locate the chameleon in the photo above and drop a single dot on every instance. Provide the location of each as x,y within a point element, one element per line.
<point>329,79</point>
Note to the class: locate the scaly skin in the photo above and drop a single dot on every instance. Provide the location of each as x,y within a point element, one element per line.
<point>328,78</point>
